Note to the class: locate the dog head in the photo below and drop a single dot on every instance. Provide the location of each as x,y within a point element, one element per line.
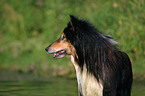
<point>63,46</point>
<point>60,48</point>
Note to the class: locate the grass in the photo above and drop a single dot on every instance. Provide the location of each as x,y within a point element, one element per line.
<point>27,27</point>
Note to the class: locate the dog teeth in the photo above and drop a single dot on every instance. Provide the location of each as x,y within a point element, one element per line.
<point>59,53</point>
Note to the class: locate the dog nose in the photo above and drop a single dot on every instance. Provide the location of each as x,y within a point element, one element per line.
<point>46,49</point>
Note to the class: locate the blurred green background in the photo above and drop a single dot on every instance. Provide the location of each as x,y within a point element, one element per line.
<point>28,26</point>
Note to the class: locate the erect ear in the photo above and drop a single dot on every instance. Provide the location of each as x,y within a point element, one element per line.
<point>73,22</point>
<point>73,19</point>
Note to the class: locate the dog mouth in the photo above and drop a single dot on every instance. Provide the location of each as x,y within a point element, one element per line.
<point>60,53</point>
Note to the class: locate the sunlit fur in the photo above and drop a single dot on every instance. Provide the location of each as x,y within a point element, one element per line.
<point>102,70</point>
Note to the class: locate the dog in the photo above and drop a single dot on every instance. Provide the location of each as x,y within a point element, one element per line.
<point>101,69</point>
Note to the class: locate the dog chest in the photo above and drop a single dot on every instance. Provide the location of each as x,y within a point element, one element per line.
<point>87,83</point>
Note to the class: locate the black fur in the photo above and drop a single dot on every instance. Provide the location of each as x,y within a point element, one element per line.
<point>102,59</point>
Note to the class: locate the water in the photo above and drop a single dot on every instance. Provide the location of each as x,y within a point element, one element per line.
<point>59,87</point>
<point>54,87</point>
<point>138,88</point>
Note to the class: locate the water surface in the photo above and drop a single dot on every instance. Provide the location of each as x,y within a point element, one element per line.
<point>57,87</point>
<point>21,84</point>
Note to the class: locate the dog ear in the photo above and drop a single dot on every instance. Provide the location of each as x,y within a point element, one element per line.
<point>73,21</point>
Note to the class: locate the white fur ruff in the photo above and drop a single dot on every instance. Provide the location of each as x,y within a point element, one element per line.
<point>87,83</point>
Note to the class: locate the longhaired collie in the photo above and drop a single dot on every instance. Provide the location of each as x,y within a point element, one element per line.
<point>101,69</point>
